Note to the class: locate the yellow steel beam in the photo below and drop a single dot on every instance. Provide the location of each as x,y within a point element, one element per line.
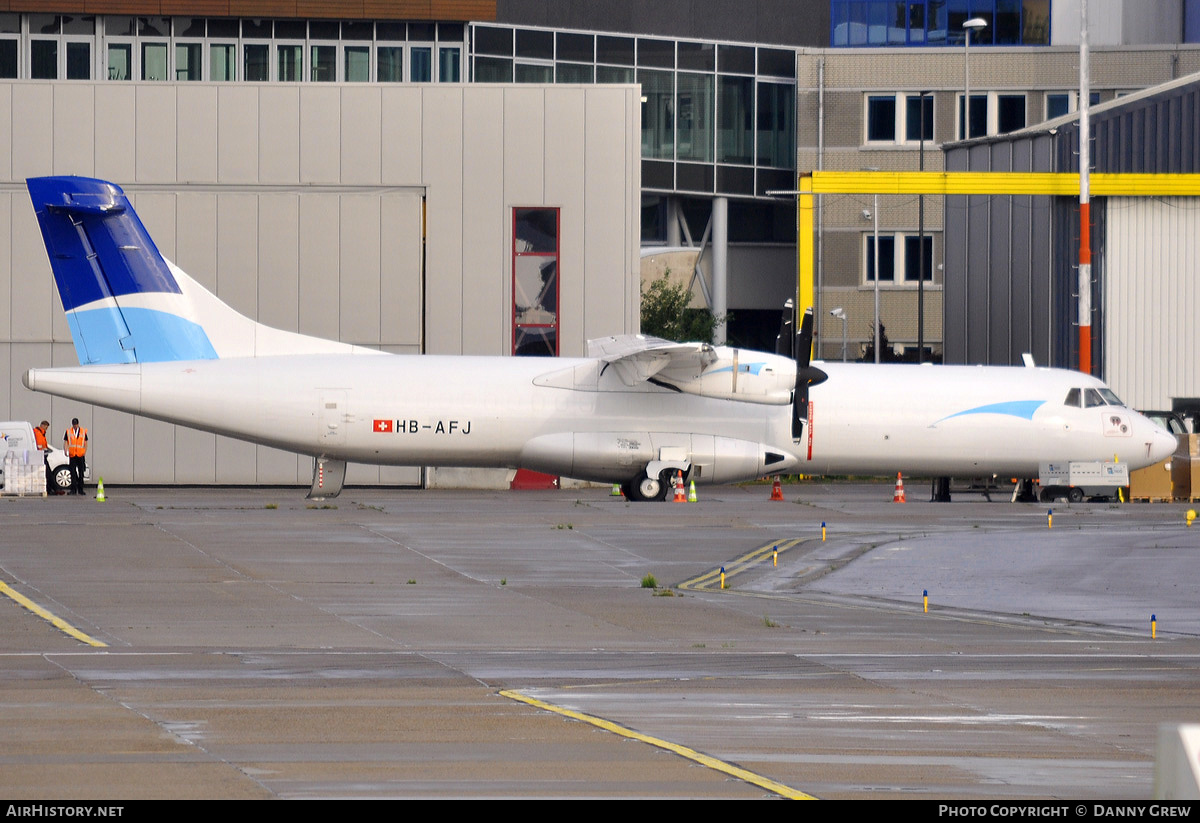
<point>805,247</point>
<point>970,182</point>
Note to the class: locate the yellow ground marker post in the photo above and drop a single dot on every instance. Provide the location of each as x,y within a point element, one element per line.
<point>925,596</point>
<point>780,789</point>
<point>1153,627</point>
<point>58,623</point>
<point>747,561</point>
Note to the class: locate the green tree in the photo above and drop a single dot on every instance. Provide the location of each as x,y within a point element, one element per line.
<point>665,313</point>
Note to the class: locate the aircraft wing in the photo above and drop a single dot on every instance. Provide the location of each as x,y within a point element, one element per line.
<point>638,357</point>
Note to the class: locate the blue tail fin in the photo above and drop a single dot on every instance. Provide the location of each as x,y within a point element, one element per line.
<point>123,303</point>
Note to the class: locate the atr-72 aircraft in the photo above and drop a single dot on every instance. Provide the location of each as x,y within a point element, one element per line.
<point>635,411</point>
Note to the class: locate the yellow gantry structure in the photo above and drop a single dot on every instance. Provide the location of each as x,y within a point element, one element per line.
<point>963,182</point>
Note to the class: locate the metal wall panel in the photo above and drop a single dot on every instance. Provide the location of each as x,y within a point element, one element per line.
<point>216,174</point>
<point>485,284</point>
<point>359,267</point>
<point>565,184</point>
<point>74,114</point>
<point>279,260</point>
<point>237,133</point>
<point>197,133</point>
<point>116,150</point>
<point>442,142</point>
<point>156,132</point>
<point>278,126</point>
<point>362,148</point>
<point>1152,300</point>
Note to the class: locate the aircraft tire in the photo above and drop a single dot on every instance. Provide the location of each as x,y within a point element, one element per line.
<point>648,488</point>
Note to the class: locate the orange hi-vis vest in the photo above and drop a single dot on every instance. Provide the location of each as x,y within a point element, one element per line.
<point>76,442</point>
<point>39,438</point>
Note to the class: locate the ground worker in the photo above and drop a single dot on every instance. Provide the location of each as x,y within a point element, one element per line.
<point>75,441</point>
<point>39,437</point>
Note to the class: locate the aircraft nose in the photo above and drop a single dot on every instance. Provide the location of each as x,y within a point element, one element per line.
<point>1162,444</point>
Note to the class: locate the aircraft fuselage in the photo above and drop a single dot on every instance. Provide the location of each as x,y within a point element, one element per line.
<point>576,418</point>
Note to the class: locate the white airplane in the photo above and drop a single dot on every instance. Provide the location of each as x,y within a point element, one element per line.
<point>635,411</point>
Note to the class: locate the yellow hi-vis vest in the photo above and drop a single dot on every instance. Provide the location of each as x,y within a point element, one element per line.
<point>76,442</point>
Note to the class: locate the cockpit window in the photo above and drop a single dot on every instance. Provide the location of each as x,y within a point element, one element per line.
<point>1072,398</point>
<point>1111,397</point>
<point>1091,398</point>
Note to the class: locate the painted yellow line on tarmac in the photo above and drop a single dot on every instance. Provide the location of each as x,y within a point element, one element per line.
<point>712,577</point>
<point>54,620</point>
<point>683,751</point>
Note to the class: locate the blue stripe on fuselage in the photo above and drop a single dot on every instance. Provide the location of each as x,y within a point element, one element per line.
<point>1013,408</point>
<point>751,368</point>
<point>153,336</point>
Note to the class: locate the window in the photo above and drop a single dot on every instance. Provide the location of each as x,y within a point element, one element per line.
<point>358,64</point>
<point>535,282</point>
<point>10,30</point>
<point>257,65</point>
<point>899,258</point>
<point>937,22</point>
<point>449,64</point>
<point>776,125</point>
<point>391,63</point>
<point>43,59</point>
<point>993,113</point>
<point>222,62</point>
<point>881,118</point>
<point>154,61</point>
<point>897,118</point>
<point>323,60</point>
<point>420,64</point>
<point>290,63</point>
<point>1059,103</point>
<point>187,61</point>
<point>79,61</point>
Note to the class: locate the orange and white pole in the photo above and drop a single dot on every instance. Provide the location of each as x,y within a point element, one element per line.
<point>1085,212</point>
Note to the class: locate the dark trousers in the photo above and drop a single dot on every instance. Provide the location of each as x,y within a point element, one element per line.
<point>78,464</point>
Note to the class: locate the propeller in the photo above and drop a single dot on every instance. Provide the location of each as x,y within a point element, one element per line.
<point>801,351</point>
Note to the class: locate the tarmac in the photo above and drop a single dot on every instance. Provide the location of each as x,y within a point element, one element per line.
<point>248,643</point>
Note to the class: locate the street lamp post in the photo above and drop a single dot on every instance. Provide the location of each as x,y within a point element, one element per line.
<point>840,314</point>
<point>921,247</point>
<point>974,24</point>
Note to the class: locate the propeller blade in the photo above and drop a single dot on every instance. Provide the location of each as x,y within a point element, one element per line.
<point>784,342</point>
<point>806,374</point>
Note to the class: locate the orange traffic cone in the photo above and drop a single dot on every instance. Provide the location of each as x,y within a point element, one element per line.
<point>680,496</point>
<point>898,495</point>
<point>776,490</point>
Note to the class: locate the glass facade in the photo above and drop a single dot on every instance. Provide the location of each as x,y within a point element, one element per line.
<point>875,23</point>
<point>717,118</point>
<point>121,47</point>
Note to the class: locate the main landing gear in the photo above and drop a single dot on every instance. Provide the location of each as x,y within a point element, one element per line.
<point>645,488</point>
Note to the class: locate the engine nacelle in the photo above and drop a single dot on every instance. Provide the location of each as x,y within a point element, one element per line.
<point>740,374</point>
<point>615,457</point>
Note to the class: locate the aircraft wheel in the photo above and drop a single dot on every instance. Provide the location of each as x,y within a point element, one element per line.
<point>650,488</point>
<point>60,478</point>
<point>1075,495</point>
